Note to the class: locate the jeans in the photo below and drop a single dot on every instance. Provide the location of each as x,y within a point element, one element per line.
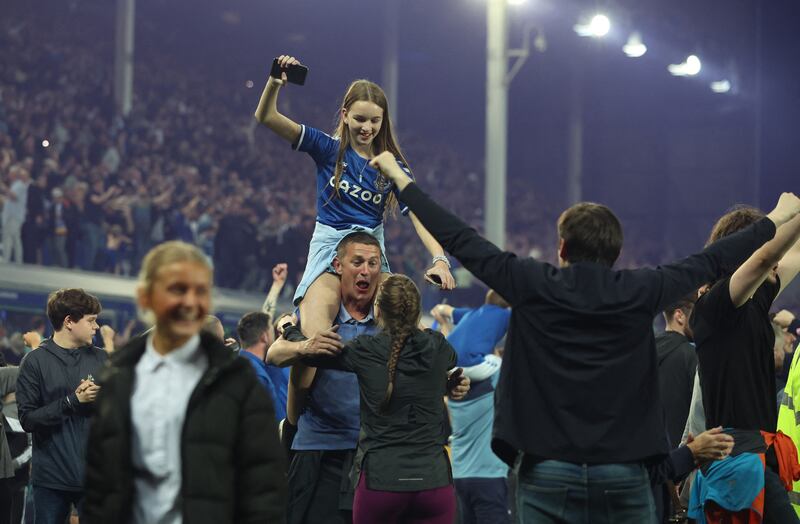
<point>90,246</point>
<point>52,506</point>
<point>777,508</point>
<point>552,491</point>
<point>483,500</point>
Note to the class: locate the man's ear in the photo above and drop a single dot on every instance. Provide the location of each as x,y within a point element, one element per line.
<point>337,266</point>
<point>562,250</point>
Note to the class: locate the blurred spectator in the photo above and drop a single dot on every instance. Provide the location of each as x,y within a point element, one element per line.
<point>15,200</point>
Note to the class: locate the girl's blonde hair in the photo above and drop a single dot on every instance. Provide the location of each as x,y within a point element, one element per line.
<point>385,140</point>
<point>399,303</point>
<point>164,255</point>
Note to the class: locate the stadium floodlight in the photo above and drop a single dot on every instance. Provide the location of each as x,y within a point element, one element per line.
<point>721,86</point>
<point>693,65</point>
<point>634,48</point>
<point>690,67</point>
<point>598,27</point>
<point>45,143</point>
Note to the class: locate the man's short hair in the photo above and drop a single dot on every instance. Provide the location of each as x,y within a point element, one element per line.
<point>213,326</point>
<point>73,303</point>
<point>359,237</point>
<point>252,327</point>
<point>685,304</point>
<point>591,233</point>
<point>738,218</point>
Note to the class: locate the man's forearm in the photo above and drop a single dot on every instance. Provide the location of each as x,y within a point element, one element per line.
<point>283,353</point>
<point>49,415</point>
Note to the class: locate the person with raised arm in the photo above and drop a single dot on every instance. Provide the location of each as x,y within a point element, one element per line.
<point>579,377</point>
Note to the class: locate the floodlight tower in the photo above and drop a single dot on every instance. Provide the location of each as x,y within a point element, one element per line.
<point>496,121</point>
<point>123,57</point>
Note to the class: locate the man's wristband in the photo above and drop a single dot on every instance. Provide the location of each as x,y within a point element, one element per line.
<point>443,258</point>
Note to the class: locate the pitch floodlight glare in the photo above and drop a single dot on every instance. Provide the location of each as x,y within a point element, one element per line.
<point>690,67</point>
<point>693,65</point>
<point>517,2</point>
<point>634,48</point>
<point>721,86</point>
<point>598,27</point>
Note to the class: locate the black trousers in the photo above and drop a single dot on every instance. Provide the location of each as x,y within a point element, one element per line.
<point>320,488</point>
<point>12,500</point>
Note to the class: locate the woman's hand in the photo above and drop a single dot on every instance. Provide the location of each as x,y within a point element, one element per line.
<point>441,270</point>
<point>386,163</point>
<point>285,61</point>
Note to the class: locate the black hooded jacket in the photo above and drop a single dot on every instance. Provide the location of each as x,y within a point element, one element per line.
<point>232,462</point>
<point>50,411</point>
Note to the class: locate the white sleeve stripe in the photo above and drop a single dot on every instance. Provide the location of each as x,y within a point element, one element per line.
<point>302,135</point>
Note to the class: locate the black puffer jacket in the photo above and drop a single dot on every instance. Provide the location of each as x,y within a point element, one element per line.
<point>233,465</point>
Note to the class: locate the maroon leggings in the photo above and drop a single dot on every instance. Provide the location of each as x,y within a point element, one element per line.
<point>431,506</point>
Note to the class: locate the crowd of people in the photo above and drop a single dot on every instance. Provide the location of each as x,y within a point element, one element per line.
<point>369,441</point>
<point>186,164</point>
<point>345,409</point>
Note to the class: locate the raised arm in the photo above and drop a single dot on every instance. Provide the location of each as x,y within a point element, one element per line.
<point>267,111</point>
<point>722,256</point>
<point>750,275</point>
<point>440,266</point>
<point>270,305</point>
<point>502,271</point>
<point>789,266</point>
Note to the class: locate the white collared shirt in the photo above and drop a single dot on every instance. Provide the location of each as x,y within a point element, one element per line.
<point>161,391</point>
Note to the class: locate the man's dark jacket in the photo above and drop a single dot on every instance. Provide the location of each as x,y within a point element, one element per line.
<point>232,463</point>
<point>49,409</point>
<point>579,380</point>
<point>677,364</point>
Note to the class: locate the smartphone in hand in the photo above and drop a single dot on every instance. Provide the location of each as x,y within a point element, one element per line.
<point>434,280</point>
<point>295,74</point>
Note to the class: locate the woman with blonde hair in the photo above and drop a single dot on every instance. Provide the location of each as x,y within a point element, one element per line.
<point>183,431</point>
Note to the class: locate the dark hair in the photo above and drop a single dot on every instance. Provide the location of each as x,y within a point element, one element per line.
<point>73,303</point>
<point>251,327</point>
<point>685,304</point>
<point>275,326</point>
<point>359,237</point>
<point>399,303</point>
<point>738,218</point>
<point>591,233</point>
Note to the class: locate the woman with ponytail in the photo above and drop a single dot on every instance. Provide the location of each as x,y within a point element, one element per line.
<point>401,469</point>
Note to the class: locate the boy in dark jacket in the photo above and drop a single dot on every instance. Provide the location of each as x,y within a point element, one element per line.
<point>55,395</point>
